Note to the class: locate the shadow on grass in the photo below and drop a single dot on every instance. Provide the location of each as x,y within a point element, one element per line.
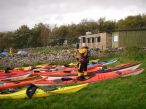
<point>25,107</point>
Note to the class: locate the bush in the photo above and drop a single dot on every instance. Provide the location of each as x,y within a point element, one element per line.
<point>134,53</point>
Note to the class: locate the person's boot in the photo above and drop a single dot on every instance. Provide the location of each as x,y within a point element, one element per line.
<point>86,76</point>
<point>79,74</point>
<point>81,78</point>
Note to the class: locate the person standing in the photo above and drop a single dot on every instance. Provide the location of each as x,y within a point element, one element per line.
<point>11,52</point>
<point>83,63</point>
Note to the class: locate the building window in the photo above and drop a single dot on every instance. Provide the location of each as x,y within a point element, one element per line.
<point>98,39</point>
<point>93,40</point>
<point>115,38</point>
<point>84,40</point>
<point>88,40</point>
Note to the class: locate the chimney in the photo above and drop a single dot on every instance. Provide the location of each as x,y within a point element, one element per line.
<point>88,33</point>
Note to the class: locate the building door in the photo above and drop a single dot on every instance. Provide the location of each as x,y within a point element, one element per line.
<point>115,40</point>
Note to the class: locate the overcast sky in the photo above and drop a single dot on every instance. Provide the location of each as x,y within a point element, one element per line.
<point>14,13</point>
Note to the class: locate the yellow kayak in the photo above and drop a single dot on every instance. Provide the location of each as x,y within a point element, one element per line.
<point>23,68</point>
<point>40,93</point>
<point>94,60</point>
<point>30,67</point>
<point>43,65</point>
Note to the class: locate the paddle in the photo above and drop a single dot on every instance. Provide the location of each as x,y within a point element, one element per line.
<point>30,91</point>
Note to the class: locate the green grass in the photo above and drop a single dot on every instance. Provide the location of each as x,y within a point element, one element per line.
<point>120,93</point>
<point>128,93</point>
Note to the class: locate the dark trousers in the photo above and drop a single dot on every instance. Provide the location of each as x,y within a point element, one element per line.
<point>82,67</point>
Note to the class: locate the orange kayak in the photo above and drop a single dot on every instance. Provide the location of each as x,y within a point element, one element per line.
<point>15,74</point>
<point>91,69</point>
<point>95,78</point>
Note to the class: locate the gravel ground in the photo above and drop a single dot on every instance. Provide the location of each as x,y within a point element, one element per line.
<point>40,55</point>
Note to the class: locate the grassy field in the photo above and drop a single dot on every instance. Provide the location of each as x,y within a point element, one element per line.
<point>120,93</point>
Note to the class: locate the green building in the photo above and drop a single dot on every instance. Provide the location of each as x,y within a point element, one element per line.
<point>129,38</point>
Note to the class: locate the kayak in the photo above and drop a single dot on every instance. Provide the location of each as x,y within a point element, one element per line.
<point>41,93</point>
<point>94,69</point>
<point>56,67</point>
<point>16,83</point>
<point>51,67</point>
<point>23,68</point>
<point>111,61</point>
<point>122,67</point>
<point>95,78</point>
<point>96,61</point>
<point>15,74</point>
<point>66,72</point>
<point>90,62</point>
<point>68,68</point>
<point>90,66</point>
<point>31,77</point>
<point>21,82</point>
<point>30,67</point>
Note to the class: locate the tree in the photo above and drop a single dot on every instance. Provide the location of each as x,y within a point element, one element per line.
<point>106,26</point>
<point>41,34</point>
<point>144,21</point>
<point>109,26</point>
<point>131,22</point>
<point>101,24</point>
<point>7,40</point>
<point>22,37</point>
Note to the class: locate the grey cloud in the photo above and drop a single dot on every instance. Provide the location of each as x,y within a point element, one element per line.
<point>18,12</point>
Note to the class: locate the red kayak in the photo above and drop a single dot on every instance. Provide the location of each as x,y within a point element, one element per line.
<point>65,68</point>
<point>95,78</point>
<point>15,74</point>
<point>67,71</point>
<point>14,84</point>
<point>54,80</point>
<point>94,69</point>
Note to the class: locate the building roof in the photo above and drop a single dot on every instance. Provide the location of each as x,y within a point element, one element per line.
<point>138,29</point>
<point>92,35</point>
